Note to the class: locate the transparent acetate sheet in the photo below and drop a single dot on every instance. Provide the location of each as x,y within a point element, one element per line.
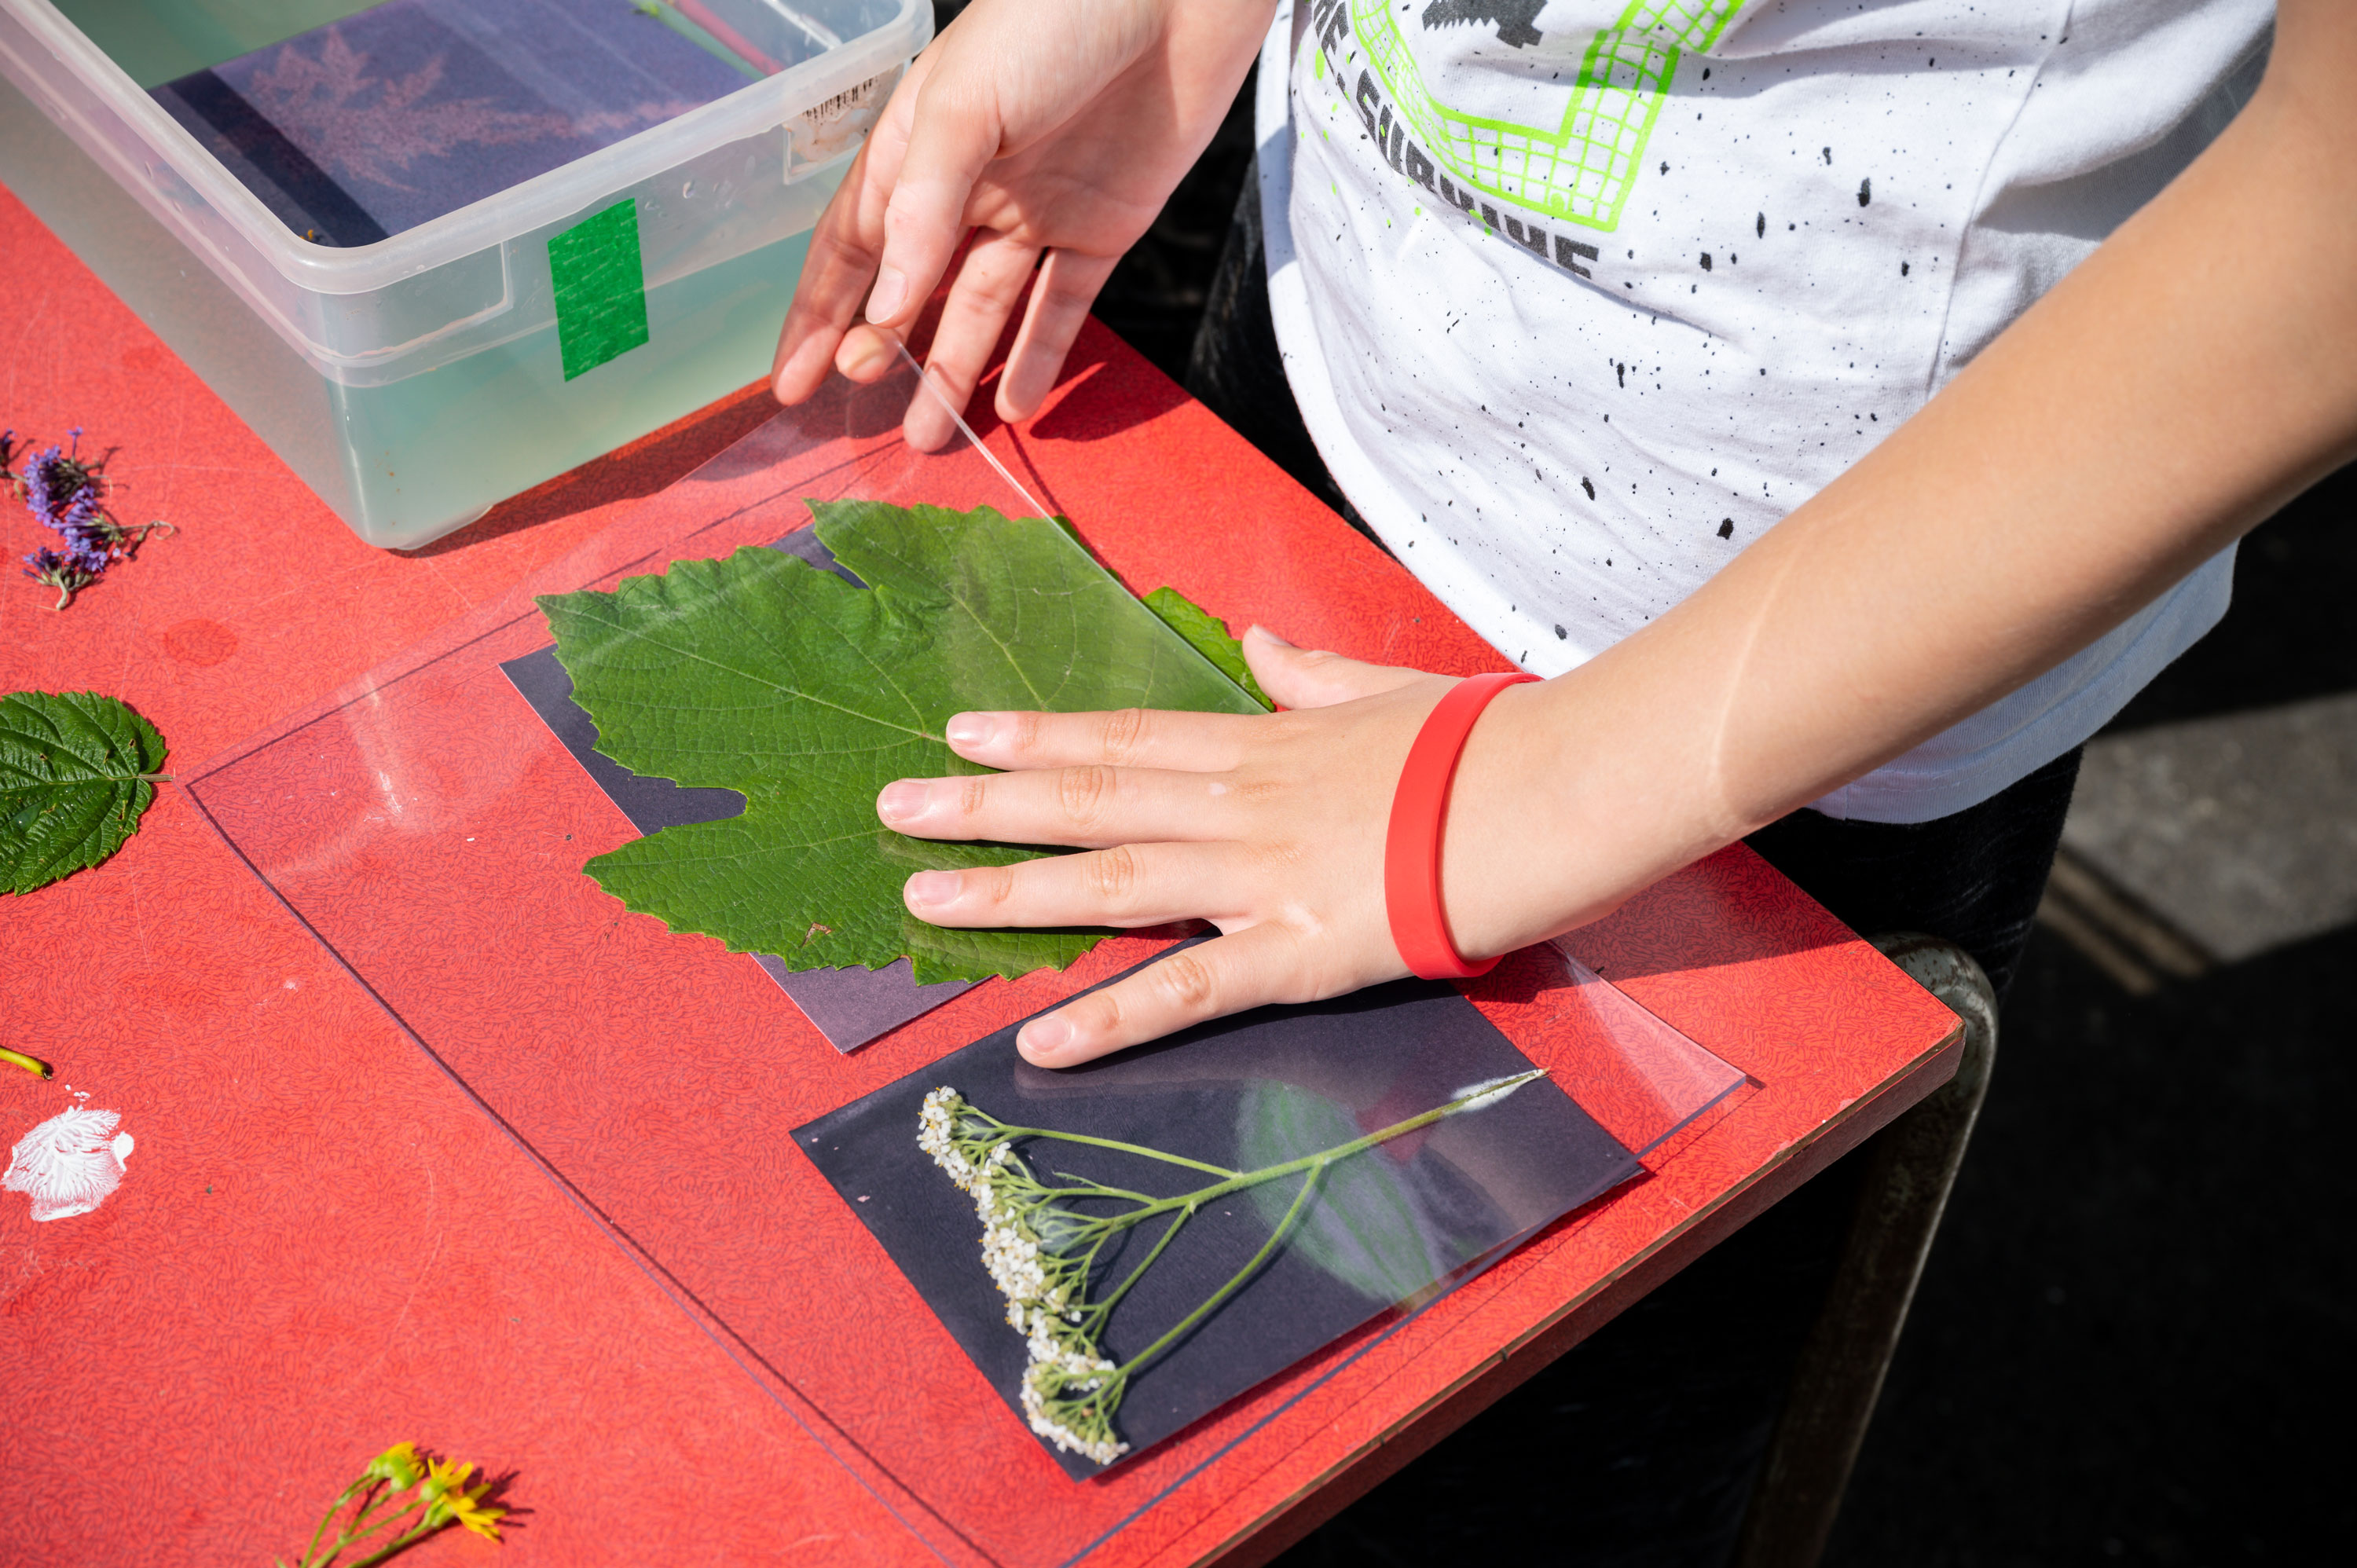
<point>430,825</point>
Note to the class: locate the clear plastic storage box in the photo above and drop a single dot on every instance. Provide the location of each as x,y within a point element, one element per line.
<point>414,380</point>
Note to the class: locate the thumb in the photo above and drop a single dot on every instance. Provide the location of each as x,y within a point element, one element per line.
<point>1300,678</point>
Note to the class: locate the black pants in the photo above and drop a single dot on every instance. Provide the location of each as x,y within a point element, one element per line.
<point>1639,1446</point>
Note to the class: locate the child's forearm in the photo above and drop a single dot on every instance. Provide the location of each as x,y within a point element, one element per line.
<point>2191,377</point>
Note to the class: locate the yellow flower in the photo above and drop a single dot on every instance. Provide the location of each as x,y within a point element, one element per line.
<point>483,1522</point>
<point>397,1465</point>
<point>449,1499</point>
<point>443,1475</point>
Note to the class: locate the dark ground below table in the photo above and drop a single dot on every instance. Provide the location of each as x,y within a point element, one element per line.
<point>2134,1333</point>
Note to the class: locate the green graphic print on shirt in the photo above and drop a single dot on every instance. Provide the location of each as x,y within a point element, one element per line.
<point>1582,170</point>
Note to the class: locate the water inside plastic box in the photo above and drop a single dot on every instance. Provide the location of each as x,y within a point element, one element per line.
<point>415,383</point>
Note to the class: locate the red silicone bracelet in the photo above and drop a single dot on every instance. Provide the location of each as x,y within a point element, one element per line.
<point>1412,849</point>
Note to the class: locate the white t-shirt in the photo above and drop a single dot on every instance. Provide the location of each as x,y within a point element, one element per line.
<point>1578,297</point>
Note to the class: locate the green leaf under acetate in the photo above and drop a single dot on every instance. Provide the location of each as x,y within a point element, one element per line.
<point>762,674</point>
<point>1365,1226</point>
<point>77,771</point>
<point>1208,636</point>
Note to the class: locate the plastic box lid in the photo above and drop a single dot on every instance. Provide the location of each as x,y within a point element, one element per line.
<point>373,313</point>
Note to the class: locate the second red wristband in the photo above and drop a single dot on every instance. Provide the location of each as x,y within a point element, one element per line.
<point>1412,848</point>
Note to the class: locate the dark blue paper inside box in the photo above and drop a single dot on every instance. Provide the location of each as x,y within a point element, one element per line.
<point>363,128</point>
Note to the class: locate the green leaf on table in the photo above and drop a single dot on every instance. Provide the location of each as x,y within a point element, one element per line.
<point>1208,636</point>
<point>77,771</point>
<point>763,674</point>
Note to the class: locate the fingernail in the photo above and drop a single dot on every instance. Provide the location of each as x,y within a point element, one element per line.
<point>1270,635</point>
<point>1023,388</point>
<point>811,353</point>
<point>860,353</point>
<point>1042,1034</point>
<point>901,801</point>
<point>930,887</point>
<point>970,729</point>
<point>885,298</point>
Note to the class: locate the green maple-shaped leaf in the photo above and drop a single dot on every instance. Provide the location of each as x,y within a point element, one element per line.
<point>1207,635</point>
<point>77,769</point>
<point>763,674</point>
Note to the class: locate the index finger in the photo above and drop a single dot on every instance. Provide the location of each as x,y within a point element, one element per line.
<point>841,260</point>
<point>1127,738</point>
<point>953,133</point>
<point>1189,987</point>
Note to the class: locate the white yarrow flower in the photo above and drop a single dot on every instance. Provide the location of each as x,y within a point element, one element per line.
<point>1038,1252</point>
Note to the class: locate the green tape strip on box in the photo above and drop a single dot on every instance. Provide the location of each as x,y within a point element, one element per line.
<point>601,289</point>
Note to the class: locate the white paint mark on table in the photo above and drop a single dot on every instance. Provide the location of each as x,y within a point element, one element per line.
<point>70,1164</point>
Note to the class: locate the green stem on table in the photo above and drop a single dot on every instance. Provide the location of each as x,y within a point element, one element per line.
<point>327,1519</point>
<point>360,1530</point>
<point>33,1065</point>
<point>416,1534</point>
<point>360,1527</point>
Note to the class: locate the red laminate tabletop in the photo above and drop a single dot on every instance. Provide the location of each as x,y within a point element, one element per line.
<point>327,1240</point>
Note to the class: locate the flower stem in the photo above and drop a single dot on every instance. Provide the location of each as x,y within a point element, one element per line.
<point>1240,1182</point>
<point>1085,1187</point>
<point>360,1526</point>
<point>1315,1165</point>
<point>33,1065</point>
<point>1043,1252</point>
<point>1012,1132</point>
<point>415,1534</point>
<point>1104,1308</point>
<point>325,1519</point>
<point>1275,1239</point>
<point>361,1531</point>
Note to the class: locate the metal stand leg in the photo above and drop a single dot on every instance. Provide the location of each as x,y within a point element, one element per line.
<point>1910,1165</point>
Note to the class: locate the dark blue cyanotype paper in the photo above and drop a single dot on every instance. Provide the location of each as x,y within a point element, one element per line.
<point>363,128</point>
<point>1397,1224</point>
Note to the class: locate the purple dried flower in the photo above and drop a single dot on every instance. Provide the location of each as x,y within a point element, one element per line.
<point>67,572</point>
<point>83,520</point>
<point>56,482</point>
<point>68,495</point>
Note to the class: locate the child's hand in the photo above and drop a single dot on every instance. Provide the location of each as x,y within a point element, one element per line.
<point>1271,828</point>
<point>1043,126</point>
